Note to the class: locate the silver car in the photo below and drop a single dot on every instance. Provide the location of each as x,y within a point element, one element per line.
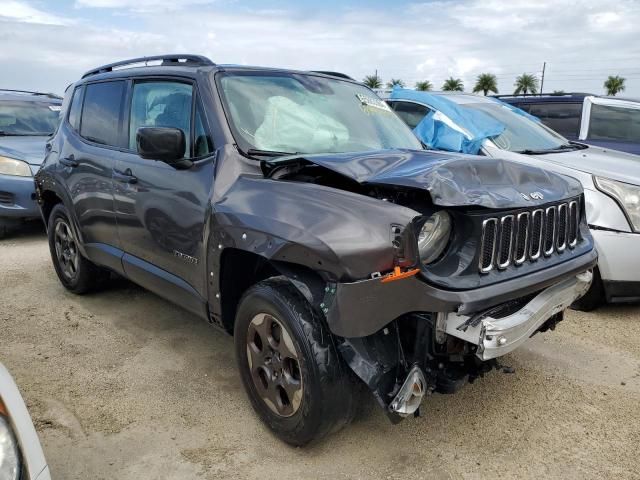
<point>611,179</point>
<point>21,456</point>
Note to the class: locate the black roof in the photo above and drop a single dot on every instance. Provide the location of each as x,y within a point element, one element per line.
<point>570,97</point>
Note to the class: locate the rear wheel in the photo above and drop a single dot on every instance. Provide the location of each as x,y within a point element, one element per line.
<point>594,297</point>
<point>75,272</point>
<point>290,368</point>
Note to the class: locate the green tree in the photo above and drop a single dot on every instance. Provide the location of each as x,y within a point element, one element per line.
<point>424,86</point>
<point>614,84</point>
<point>526,83</point>
<point>486,82</point>
<point>372,81</point>
<point>395,82</point>
<point>453,85</point>
<point>558,92</point>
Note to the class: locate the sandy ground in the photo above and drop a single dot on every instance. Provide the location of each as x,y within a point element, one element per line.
<point>123,385</point>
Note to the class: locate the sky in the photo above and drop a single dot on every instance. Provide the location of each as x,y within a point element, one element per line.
<point>45,45</point>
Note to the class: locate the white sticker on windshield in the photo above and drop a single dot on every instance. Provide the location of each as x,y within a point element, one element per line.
<point>55,108</point>
<point>373,102</point>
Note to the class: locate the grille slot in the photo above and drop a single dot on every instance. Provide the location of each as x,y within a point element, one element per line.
<point>488,247</point>
<point>6,198</point>
<point>514,239</point>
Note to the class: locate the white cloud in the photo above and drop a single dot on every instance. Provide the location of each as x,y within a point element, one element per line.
<point>582,41</point>
<point>22,12</point>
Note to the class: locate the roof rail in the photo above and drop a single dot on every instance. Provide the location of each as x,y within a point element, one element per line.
<point>29,92</point>
<point>167,60</point>
<point>333,74</point>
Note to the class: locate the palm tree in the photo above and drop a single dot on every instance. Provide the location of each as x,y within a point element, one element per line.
<point>453,85</point>
<point>373,81</point>
<point>614,84</point>
<point>395,82</point>
<point>424,86</point>
<point>558,92</point>
<point>526,83</point>
<point>486,82</point>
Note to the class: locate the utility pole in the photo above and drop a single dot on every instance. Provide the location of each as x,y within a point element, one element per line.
<point>544,66</point>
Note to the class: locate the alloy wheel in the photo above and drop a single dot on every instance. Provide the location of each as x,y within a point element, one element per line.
<point>274,364</point>
<point>66,250</point>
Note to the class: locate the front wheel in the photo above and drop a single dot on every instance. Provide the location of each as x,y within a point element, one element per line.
<point>290,368</point>
<point>75,272</point>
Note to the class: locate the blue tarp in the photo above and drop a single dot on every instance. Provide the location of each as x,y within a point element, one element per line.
<point>439,134</point>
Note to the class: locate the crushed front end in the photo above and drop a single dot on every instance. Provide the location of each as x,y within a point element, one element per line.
<point>433,324</point>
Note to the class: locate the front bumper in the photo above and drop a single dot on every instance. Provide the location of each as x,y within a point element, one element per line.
<point>617,261</point>
<point>362,308</point>
<point>18,197</point>
<point>498,336</point>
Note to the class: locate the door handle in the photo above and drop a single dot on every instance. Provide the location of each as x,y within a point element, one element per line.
<point>125,177</point>
<point>69,161</point>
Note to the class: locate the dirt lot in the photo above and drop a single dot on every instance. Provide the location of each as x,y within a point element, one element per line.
<point>123,385</point>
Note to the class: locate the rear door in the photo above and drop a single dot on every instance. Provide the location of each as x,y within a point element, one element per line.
<point>93,140</point>
<point>161,211</point>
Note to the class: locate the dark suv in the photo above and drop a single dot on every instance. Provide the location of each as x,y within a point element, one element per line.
<point>296,211</point>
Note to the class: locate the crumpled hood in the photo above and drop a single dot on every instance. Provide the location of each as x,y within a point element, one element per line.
<point>27,148</point>
<point>453,179</point>
<point>621,166</point>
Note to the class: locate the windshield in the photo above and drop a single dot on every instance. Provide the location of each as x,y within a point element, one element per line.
<point>297,113</point>
<point>520,133</point>
<point>28,118</point>
<point>614,123</point>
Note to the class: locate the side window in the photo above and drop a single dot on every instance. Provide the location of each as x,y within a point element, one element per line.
<point>614,123</point>
<point>564,118</point>
<point>74,109</point>
<point>411,113</point>
<point>161,104</point>
<point>101,113</point>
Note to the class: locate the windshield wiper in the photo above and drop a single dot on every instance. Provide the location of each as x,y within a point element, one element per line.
<point>256,152</point>
<point>560,148</point>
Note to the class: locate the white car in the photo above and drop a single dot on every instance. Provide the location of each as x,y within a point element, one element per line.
<point>474,124</point>
<point>21,456</point>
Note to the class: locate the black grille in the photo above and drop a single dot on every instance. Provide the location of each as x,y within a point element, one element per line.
<point>6,198</point>
<point>514,239</point>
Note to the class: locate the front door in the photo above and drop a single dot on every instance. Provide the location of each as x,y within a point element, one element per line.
<point>161,211</point>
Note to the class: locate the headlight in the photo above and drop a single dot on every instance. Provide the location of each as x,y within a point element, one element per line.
<point>434,236</point>
<point>11,166</point>
<point>627,196</point>
<point>9,455</point>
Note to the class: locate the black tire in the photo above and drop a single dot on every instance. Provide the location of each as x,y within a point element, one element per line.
<point>84,276</point>
<point>329,397</point>
<point>594,297</point>
<point>4,230</point>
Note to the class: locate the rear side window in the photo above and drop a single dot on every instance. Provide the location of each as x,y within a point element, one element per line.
<point>411,113</point>
<point>614,123</point>
<point>74,109</point>
<point>101,113</point>
<point>564,118</point>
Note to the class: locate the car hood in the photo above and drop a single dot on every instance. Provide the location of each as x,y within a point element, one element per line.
<point>621,166</point>
<point>27,148</point>
<point>452,179</point>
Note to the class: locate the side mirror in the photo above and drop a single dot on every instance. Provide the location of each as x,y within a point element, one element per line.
<point>160,143</point>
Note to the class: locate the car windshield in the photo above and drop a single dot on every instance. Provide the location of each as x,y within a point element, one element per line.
<point>28,118</point>
<point>297,113</point>
<point>520,134</point>
<point>614,123</point>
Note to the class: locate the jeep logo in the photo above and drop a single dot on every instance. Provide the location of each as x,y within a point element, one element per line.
<point>537,196</point>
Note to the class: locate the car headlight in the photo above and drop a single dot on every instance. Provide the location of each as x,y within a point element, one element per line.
<point>627,196</point>
<point>9,454</point>
<point>11,166</point>
<point>434,236</point>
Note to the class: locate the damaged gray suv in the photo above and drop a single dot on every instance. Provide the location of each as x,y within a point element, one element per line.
<point>297,212</point>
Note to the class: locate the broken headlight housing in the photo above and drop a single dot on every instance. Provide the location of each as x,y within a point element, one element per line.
<point>11,166</point>
<point>434,236</point>
<point>9,453</point>
<point>627,196</point>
